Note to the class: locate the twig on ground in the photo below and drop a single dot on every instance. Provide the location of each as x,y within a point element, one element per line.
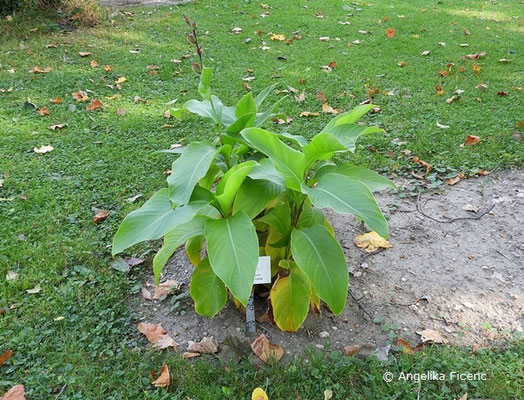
<point>449,220</point>
<point>360,307</point>
<point>61,391</point>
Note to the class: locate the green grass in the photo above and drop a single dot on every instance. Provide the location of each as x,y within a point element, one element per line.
<point>102,158</point>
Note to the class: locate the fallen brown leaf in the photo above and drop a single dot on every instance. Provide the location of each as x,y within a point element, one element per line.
<point>476,68</point>
<point>443,73</point>
<point>207,345</point>
<point>279,38</point>
<point>332,64</point>
<point>5,357</point>
<point>95,105</point>
<point>471,140</point>
<point>430,335</point>
<point>153,332</point>
<point>58,126</point>
<point>15,393</point>
<point>309,114</point>
<point>80,96</point>
<point>189,354</point>
<point>426,165</point>
<point>56,100</point>
<point>146,294</point>
<point>43,149</point>
<point>38,70</point>
<point>84,53</point>
<point>165,288</point>
<point>301,97</point>
<point>502,93</point>
<point>405,346</point>
<point>482,172</point>
<point>390,33</point>
<point>351,350</point>
<point>372,242</point>
<point>321,97</point>
<point>476,56</point>
<point>439,91</point>
<point>265,350</point>
<point>94,64</point>
<point>43,111</point>
<point>100,216</point>
<point>326,108</point>
<point>163,379</point>
<point>401,64</point>
<point>453,181</point>
<point>108,68</point>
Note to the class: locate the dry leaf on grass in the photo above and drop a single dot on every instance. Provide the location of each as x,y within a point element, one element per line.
<point>58,126</point>
<point>265,350</point>
<point>15,393</point>
<point>163,379</point>
<point>425,164</point>
<point>43,149</point>
<point>371,242</point>
<point>430,335</point>
<point>236,30</point>
<point>95,105</point>
<point>279,38</point>
<point>326,108</point>
<point>43,111</point>
<point>94,64</point>
<point>121,111</point>
<point>56,100</point>
<point>157,335</point>
<point>80,96</point>
<point>470,140</point>
<point>309,114</point>
<point>11,276</point>
<point>38,70</point>
<point>5,357</point>
<point>301,97</point>
<point>206,345</point>
<point>108,68</point>
<point>100,216</point>
<point>84,53</point>
<point>321,97</point>
<point>165,288</point>
<point>390,33</point>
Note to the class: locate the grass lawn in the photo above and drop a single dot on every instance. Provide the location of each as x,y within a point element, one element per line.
<point>76,338</point>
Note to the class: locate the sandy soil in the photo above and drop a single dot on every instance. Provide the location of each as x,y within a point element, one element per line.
<point>462,278</point>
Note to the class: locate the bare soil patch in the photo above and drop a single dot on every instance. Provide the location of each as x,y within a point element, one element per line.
<point>462,278</point>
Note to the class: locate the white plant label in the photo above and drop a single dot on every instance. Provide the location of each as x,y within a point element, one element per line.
<point>263,272</point>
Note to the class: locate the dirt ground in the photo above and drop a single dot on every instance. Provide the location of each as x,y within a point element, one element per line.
<point>463,278</point>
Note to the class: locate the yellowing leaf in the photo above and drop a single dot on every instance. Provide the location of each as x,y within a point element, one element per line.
<point>163,379</point>
<point>122,79</point>
<point>259,394</point>
<point>326,108</point>
<point>309,114</point>
<point>476,68</point>
<point>43,149</point>
<point>94,64</point>
<point>371,242</point>
<point>38,70</point>
<point>278,38</point>
<point>56,100</point>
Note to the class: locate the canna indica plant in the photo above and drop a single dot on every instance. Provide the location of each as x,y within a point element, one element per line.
<point>252,192</point>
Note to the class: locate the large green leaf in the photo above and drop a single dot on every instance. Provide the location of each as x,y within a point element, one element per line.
<point>207,290</point>
<point>245,105</point>
<point>262,117</point>
<point>266,170</point>
<point>349,196</point>
<point>255,195</point>
<point>349,117</point>
<point>289,162</point>
<point>151,221</point>
<point>230,183</point>
<point>322,147</point>
<point>193,249</point>
<point>188,169</point>
<point>290,296</point>
<point>174,239</point>
<point>232,247</point>
<point>297,139</point>
<point>319,255</point>
<point>245,121</point>
<point>347,134</point>
<point>371,179</point>
<point>204,86</point>
<point>310,216</point>
<point>279,218</point>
